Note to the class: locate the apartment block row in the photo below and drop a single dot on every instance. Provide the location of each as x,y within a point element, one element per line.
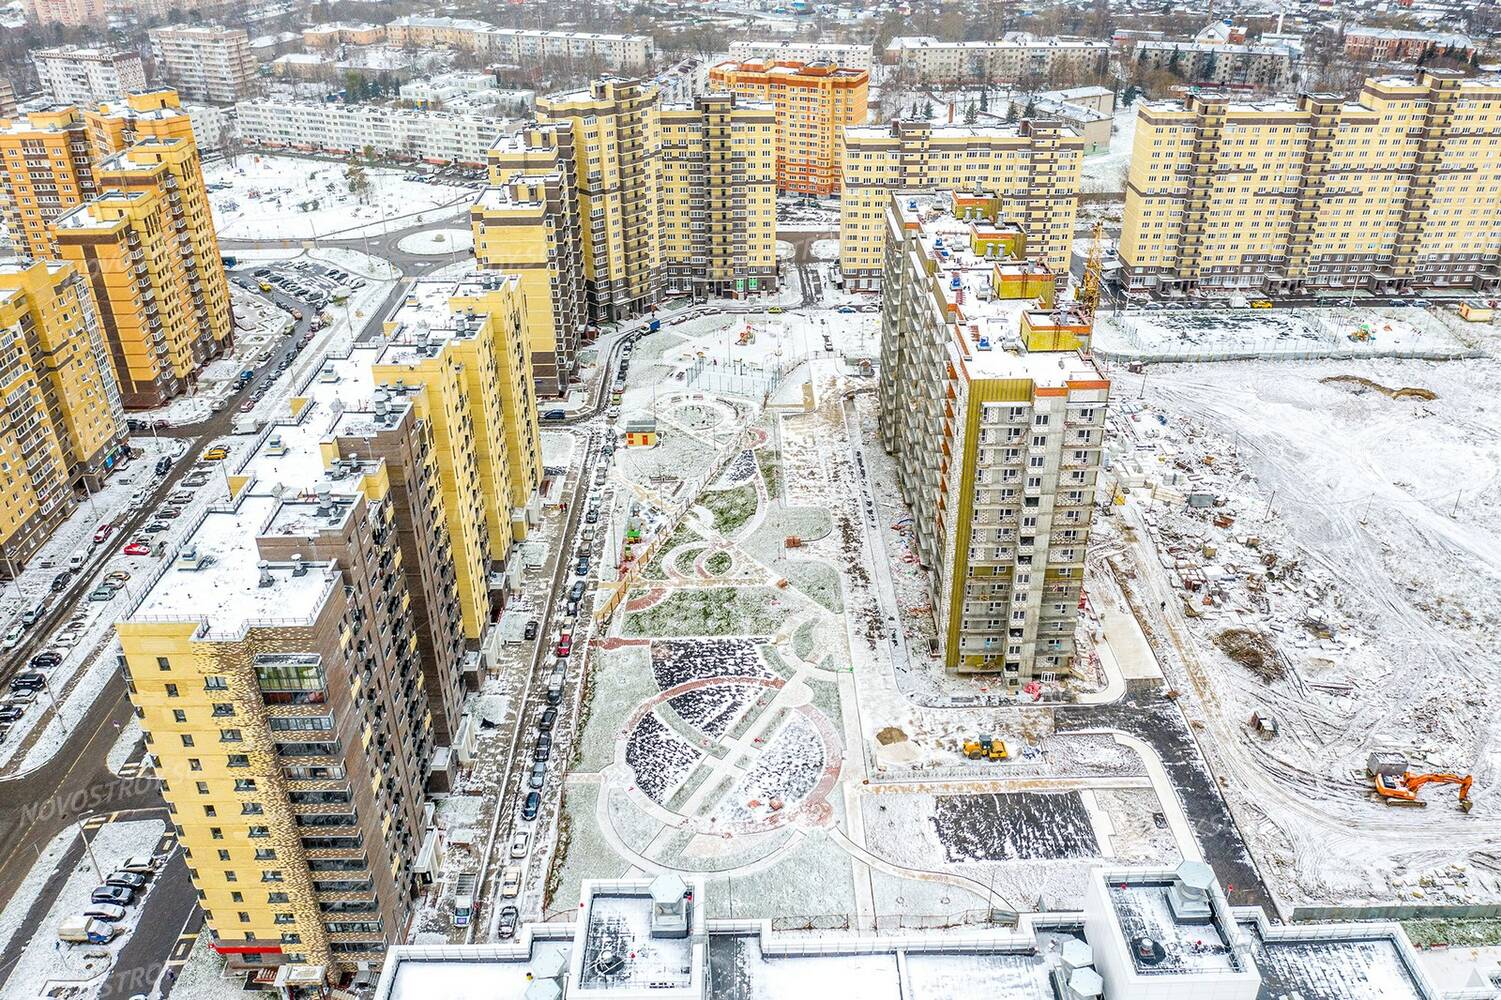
<point>523,46</point>
<point>341,129</point>
<point>1017,58</point>
<point>813,104</point>
<point>995,416</point>
<point>1033,166</point>
<point>301,659</point>
<point>1252,67</point>
<point>1397,190</point>
<point>610,201</point>
<point>846,55</point>
<point>119,193</point>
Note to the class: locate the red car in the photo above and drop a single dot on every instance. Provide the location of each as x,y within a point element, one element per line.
<point>103,532</point>
<point>565,644</point>
<point>138,549</point>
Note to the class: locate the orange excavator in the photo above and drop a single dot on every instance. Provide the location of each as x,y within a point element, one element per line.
<point>1399,787</point>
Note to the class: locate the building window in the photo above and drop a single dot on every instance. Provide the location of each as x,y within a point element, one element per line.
<point>215,683</point>
<point>223,855</point>
<point>162,663</point>
<point>171,690</point>
<point>229,736</point>
<point>203,788</point>
<point>187,740</point>
<point>239,760</point>
<point>178,715</point>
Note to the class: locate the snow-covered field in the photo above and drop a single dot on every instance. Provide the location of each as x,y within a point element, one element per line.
<point>1209,334</point>
<point>1356,545</point>
<point>266,197</point>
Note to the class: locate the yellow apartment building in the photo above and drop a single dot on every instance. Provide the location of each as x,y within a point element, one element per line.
<point>617,146</point>
<point>815,103</point>
<point>47,167</point>
<point>1033,166</point>
<point>464,342</point>
<point>151,114</point>
<point>527,223</point>
<point>1396,191</point>
<point>148,247</point>
<point>62,428</point>
<point>994,415</point>
<point>719,197</point>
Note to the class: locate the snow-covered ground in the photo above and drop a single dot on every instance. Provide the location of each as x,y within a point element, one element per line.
<point>1355,330</point>
<point>268,197</point>
<point>1352,540</point>
<point>1106,171</point>
<point>45,965</point>
<point>437,242</point>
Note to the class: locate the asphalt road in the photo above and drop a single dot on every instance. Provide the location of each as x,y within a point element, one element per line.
<point>77,783</point>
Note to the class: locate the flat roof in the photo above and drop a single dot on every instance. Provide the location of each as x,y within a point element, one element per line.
<point>222,591</point>
<point>621,925</point>
<point>1143,911</point>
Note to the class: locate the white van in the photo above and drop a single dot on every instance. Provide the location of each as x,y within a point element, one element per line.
<point>83,930</point>
<point>510,882</point>
<point>77,561</point>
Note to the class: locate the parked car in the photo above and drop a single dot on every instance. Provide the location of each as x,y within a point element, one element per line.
<point>592,516</point>
<point>582,569</point>
<point>28,680</point>
<point>141,864</point>
<point>538,776</point>
<point>576,592</point>
<point>44,660</point>
<point>126,880</point>
<point>60,581</point>
<point>102,532</point>
<point>118,895</point>
<point>565,644</point>
<point>102,593</point>
<point>216,454</point>
<point>547,719</point>
<point>509,917</point>
<point>156,527</point>
<point>531,806</point>
<point>108,912</point>
<point>137,548</point>
<point>13,638</point>
<point>520,843</point>
<point>11,713</point>
<point>530,632</point>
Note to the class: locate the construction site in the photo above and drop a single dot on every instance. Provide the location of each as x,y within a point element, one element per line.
<point>1311,549</point>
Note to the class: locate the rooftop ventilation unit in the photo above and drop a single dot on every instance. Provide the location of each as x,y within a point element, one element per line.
<point>267,580</point>
<point>299,565</point>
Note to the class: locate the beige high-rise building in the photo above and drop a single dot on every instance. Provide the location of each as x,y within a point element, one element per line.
<point>617,143</point>
<point>815,103</point>
<point>1034,166</point>
<point>148,249</point>
<point>62,428</point>
<point>719,199</point>
<point>206,62</point>
<point>72,13</point>
<point>995,417</point>
<point>1396,191</point>
<point>527,223</point>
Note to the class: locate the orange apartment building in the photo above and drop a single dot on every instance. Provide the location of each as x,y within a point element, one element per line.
<point>814,102</point>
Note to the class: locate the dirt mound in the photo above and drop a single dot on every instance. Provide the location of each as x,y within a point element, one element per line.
<point>1252,650</point>
<point>890,735</point>
<point>1407,392</point>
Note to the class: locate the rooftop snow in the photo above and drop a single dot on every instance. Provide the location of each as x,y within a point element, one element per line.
<point>622,925</point>
<point>1333,970</point>
<point>426,311</point>
<point>223,591</point>
<point>455,979</point>
<point>1143,911</point>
